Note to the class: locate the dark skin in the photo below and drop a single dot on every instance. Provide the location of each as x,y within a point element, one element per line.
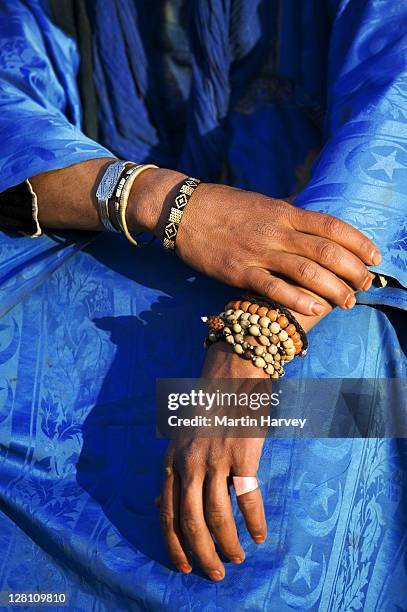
<point>195,500</point>
<point>306,261</point>
<point>311,250</point>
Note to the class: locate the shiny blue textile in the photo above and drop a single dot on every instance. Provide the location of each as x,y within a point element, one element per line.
<point>88,322</point>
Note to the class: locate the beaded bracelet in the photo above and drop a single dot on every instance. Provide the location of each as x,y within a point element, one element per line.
<point>279,337</point>
<point>177,210</point>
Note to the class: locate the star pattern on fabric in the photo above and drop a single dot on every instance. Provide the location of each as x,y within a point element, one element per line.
<point>387,163</point>
<point>322,495</point>
<point>305,567</point>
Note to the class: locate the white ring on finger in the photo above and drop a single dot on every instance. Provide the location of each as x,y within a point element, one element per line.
<point>245,484</point>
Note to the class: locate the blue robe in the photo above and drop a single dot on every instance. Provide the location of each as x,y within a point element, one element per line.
<point>88,322</point>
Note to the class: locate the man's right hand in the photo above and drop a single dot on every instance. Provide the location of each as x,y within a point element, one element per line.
<point>251,241</point>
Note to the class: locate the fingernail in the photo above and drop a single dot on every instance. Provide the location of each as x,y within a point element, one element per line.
<point>258,539</point>
<point>237,560</point>
<point>350,301</point>
<point>375,257</point>
<point>366,285</point>
<point>183,567</point>
<point>317,309</point>
<point>215,575</point>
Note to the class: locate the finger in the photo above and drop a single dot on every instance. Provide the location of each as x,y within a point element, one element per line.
<point>195,530</point>
<point>344,234</point>
<point>262,282</point>
<point>310,275</point>
<point>251,506</point>
<point>169,519</point>
<point>219,517</point>
<point>333,257</point>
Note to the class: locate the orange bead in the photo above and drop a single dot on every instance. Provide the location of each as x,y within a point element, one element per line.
<point>236,305</point>
<point>295,337</point>
<point>299,343</point>
<point>272,314</point>
<point>262,311</point>
<point>244,306</point>
<point>297,350</point>
<point>282,321</point>
<point>290,329</point>
<point>229,306</point>
<point>253,308</point>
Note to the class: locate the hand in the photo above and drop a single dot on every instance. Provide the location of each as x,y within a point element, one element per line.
<point>249,240</point>
<point>195,501</point>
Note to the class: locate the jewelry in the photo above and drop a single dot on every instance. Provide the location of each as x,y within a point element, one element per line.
<point>177,210</point>
<point>105,191</point>
<point>121,197</point>
<point>278,339</point>
<point>244,484</point>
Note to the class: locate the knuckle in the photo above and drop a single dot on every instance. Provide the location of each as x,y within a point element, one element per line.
<point>267,230</point>
<point>333,227</point>
<point>166,521</point>
<point>216,517</point>
<point>190,526</point>
<point>308,271</point>
<point>248,503</point>
<point>327,252</point>
<point>271,288</point>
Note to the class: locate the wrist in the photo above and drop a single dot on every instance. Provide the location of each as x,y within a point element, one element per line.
<point>151,198</point>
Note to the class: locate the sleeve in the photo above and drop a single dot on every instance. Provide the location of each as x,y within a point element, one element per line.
<point>361,173</point>
<point>40,114</point>
<point>19,210</point>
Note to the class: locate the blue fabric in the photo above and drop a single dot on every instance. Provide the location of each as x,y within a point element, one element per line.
<point>86,320</point>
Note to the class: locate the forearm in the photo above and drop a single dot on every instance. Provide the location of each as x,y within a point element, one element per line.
<point>67,200</point>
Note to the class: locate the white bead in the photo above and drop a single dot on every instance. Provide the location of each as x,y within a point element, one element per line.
<point>269,370</point>
<point>259,350</point>
<point>288,343</point>
<point>244,324</point>
<point>245,316</point>
<point>230,339</point>
<point>268,358</point>
<point>254,330</point>
<point>283,335</point>
<point>238,348</point>
<point>272,349</point>
<point>264,340</point>
<point>238,338</point>
<point>275,328</point>
<point>237,328</point>
<point>264,321</point>
<point>259,362</point>
<point>238,313</point>
<point>229,312</point>
<point>254,318</point>
<point>290,351</point>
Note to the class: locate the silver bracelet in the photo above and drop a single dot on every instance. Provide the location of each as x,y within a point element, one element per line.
<point>105,190</point>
